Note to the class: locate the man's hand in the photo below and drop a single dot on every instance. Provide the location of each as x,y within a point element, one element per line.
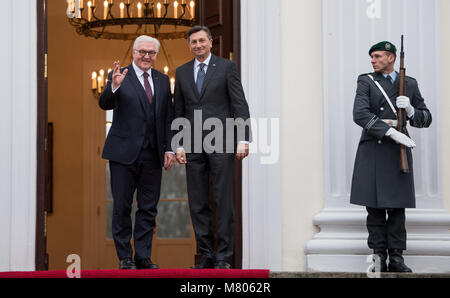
<point>242,151</point>
<point>400,138</point>
<point>169,159</point>
<point>118,77</point>
<point>181,157</point>
<point>403,102</point>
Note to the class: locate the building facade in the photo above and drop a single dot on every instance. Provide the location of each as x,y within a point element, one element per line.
<point>299,63</point>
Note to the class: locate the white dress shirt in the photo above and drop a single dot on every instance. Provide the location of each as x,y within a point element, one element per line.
<point>197,66</point>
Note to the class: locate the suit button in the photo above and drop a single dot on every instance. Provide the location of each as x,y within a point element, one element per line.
<point>380,142</point>
<point>381,109</point>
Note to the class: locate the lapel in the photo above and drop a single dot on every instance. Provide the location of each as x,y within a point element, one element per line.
<point>140,92</point>
<point>391,89</point>
<point>209,73</point>
<point>157,87</point>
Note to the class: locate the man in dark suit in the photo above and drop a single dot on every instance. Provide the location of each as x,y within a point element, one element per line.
<point>137,147</point>
<point>377,180</point>
<point>210,85</point>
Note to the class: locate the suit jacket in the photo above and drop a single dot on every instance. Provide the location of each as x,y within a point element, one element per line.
<point>222,97</point>
<point>132,115</point>
<point>377,181</point>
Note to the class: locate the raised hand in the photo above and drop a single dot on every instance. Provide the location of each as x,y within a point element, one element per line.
<point>118,77</point>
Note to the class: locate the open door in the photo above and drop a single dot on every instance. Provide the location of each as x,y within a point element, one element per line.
<point>43,179</point>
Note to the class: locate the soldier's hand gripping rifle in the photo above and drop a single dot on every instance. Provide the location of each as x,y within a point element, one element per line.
<point>401,114</point>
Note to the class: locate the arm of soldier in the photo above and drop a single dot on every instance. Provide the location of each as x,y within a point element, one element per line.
<point>362,114</point>
<point>239,104</point>
<point>422,116</point>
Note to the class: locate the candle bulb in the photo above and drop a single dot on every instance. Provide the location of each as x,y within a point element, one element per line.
<point>89,4</point>
<point>102,78</point>
<point>192,4</point>
<point>105,10</point>
<point>166,70</point>
<point>139,6</point>
<point>94,80</point>
<point>172,85</point>
<point>99,79</point>
<point>122,7</point>
<point>175,9</point>
<point>158,7</point>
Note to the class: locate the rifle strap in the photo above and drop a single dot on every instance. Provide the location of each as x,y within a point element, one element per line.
<point>385,95</point>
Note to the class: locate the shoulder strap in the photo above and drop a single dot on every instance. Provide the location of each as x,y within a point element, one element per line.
<point>385,95</point>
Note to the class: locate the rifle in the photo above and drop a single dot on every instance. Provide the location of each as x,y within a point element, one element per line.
<point>401,115</point>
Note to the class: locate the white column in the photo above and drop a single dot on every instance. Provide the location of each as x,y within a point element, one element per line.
<point>18,118</point>
<point>260,46</point>
<point>350,27</point>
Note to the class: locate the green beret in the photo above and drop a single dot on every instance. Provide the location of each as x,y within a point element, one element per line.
<point>384,46</point>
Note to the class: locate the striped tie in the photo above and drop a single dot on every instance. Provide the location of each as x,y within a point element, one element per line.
<point>148,88</point>
<point>201,77</point>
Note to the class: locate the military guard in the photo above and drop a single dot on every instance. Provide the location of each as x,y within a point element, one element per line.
<point>377,182</point>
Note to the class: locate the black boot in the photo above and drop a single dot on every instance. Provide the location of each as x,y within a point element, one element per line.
<point>382,254</point>
<point>396,262</point>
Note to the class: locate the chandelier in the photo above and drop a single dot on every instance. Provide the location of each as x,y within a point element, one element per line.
<point>126,20</point>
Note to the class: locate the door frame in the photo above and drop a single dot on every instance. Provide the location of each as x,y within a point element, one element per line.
<point>42,177</point>
<point>42,191</point>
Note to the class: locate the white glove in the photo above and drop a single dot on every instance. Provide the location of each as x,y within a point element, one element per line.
<point>403,102</point>
<point>400,138</point>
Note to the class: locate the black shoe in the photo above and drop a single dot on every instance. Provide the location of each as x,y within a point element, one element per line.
<point>127,264</point>
<point>205,263</point>
<point>146,264</point>
<point>222,265</point>
<point>382,254</point>
<point>396,262</point>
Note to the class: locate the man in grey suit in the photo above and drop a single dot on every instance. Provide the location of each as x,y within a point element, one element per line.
<point>210,85</point>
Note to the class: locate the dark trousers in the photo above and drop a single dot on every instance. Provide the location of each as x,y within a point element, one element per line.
<point>144,175</point>
<point>198,170</point>
<point>386,232</point>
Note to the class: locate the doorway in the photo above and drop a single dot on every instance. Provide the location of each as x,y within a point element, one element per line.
<point>74,202</point>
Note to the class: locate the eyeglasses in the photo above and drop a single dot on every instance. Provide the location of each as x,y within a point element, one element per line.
<point>144,53</point>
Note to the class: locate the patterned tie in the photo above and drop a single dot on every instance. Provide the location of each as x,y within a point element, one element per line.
<point>201,77</point>
<point>390,79</point>
<point>148,88</point>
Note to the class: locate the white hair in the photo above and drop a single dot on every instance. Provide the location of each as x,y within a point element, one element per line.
<point>145,38</point>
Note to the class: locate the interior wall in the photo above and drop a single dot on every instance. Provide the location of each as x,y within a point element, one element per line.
<point>71,60</point>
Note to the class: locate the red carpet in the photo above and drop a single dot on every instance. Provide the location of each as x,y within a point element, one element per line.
<point>158,273</point>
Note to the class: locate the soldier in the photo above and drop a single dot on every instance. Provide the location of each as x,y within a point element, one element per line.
<point>377,182</point>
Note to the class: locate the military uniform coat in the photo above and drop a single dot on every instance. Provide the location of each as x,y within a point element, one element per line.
<point>377,181</point>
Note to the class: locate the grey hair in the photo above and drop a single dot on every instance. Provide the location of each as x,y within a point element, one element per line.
<point>145,38</point>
